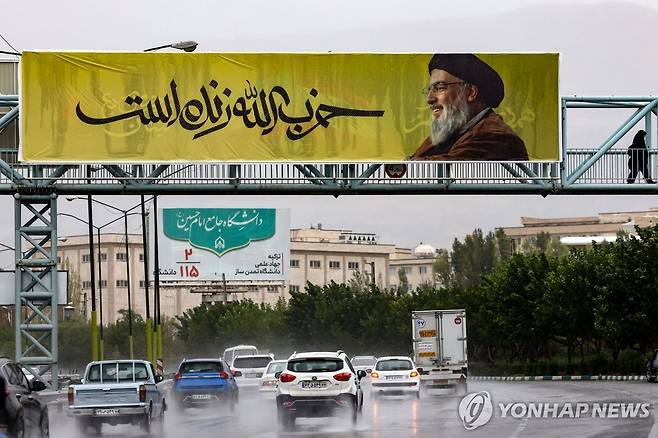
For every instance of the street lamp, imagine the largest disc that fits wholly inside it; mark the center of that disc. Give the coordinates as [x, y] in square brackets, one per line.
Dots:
[125, 234]
[187, 46]
[96, 342]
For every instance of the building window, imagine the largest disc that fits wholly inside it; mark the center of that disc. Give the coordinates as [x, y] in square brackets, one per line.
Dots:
[121, 256]
[314, 264]
[85, 258]
[294, 263]
[352, 265]
[59, 260]
[103, 257]
[407, 270]
[334, 265]
[102, 283]
[272, 288]
[422, 269]
[294, 288]
[86, 284]
[122, 283]
[142, 284]
[252, 288]
[141, 257]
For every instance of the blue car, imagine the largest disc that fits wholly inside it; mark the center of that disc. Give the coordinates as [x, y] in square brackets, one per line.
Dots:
[203, 382]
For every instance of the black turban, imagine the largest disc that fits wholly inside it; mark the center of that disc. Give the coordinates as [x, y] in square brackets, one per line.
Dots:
[473, 70]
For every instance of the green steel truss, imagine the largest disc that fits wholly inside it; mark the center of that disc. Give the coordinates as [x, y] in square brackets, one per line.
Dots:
[36, 284]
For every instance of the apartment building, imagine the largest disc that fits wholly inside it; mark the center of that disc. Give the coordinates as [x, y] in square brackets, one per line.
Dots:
[581, 231]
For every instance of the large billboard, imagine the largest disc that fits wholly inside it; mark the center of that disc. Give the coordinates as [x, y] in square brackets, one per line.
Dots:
[285, 107]
[199, 244]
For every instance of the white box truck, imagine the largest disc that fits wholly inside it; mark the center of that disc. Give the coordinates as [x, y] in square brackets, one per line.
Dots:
[439, 346]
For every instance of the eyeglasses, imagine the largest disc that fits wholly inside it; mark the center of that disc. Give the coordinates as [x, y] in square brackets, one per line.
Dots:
[439, 87]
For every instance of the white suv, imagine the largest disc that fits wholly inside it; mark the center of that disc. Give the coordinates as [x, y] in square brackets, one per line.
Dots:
[317, 384]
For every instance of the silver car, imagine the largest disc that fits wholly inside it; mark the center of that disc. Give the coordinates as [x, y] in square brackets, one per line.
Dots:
[248, 370]
[269, 380]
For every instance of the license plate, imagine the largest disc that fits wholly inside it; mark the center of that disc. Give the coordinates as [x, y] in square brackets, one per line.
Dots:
[251, 375]
[201, 397]
[314, 385]
[441, 382]
[393, 377]
[106, 412]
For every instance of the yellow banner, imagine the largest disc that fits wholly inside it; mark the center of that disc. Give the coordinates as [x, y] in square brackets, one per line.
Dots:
[217, 107]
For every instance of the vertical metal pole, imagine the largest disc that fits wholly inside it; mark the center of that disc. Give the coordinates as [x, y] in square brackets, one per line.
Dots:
[94, 327]
[18, 274]
[145, 248]
[101, 342]
[156, 258]
[563, 162]
[54, 303]
[647, 128]
[130, 308]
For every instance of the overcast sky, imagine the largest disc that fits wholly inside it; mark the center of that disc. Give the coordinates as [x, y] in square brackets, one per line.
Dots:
[593, 62]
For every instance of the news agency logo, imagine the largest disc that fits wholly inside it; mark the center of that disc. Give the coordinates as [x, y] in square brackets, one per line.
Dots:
[475, 410]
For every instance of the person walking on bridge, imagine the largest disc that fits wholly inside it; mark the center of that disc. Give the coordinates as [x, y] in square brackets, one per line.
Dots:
[638, 159]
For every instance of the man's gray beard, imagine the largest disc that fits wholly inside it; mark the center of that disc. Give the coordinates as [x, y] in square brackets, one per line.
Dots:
[453, 118]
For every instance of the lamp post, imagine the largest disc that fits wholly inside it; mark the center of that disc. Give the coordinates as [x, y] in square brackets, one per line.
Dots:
[149, 323]
[187, 46]
[98, 230]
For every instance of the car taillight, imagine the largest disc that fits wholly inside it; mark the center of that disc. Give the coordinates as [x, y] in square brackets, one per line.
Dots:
[413, 374]
[178, 376]
[223, 375]
[374, 375]
[286, 378]
[237, 374]
[70, 395]
[142, 393]
[343, 377]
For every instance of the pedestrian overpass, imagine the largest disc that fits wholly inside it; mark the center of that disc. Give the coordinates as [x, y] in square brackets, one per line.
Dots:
[35, 188]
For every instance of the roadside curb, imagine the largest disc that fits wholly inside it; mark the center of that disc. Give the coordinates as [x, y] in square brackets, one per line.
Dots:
[552, 378]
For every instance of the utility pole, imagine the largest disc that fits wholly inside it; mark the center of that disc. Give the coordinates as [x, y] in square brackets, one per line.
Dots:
[158, 311]
[94, 327]
[149, 321]
[130, 307]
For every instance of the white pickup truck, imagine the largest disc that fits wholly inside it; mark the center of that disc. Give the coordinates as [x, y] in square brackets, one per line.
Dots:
[118, 392]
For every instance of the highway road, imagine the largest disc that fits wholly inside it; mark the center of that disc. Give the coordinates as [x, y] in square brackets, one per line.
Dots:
[431, 415]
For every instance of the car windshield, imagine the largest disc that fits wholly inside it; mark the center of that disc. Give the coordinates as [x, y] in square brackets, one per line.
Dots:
[274, 368]
[251, 362]
[315, 365]
[201, 367]
[394, 365]
[363, 361]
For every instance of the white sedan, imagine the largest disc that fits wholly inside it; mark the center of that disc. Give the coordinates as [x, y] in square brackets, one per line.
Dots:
[268, 381]
[395, 375]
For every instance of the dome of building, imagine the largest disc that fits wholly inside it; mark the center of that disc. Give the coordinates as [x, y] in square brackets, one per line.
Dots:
[424, 250]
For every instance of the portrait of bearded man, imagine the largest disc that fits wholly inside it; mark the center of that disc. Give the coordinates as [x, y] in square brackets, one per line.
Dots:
[462, 94]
